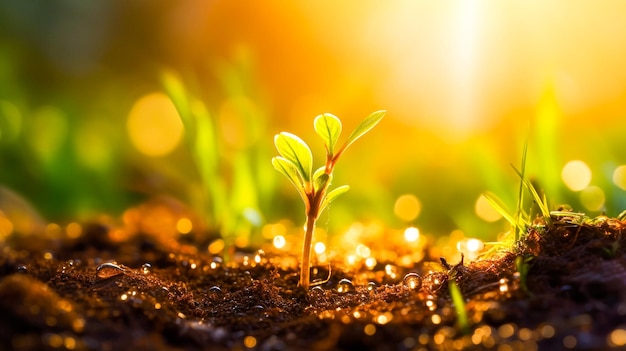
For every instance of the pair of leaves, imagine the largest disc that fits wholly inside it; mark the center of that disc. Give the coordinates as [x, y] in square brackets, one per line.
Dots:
[328, 127]
[296, 160]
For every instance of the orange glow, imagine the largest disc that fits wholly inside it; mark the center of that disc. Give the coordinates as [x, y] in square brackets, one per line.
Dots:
[407, 207]
[154, 125]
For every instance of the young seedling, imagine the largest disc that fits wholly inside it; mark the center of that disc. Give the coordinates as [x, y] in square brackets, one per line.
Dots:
[296, 163]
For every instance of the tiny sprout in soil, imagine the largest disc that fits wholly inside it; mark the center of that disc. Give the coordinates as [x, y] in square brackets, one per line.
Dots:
[296, 163]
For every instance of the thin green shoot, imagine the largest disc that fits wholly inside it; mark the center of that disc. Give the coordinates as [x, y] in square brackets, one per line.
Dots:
[522, 264]
[296, 163]
[540, 200]
[520, 195]
[459, 306]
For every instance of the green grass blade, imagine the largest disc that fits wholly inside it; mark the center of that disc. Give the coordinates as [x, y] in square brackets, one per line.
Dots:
[365, 126]
[328, 127]
[497, 204]
[297, 151]
[519, 215]
[541, 201]
[459, 306]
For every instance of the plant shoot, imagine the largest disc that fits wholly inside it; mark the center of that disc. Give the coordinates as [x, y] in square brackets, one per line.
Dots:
[296, 163]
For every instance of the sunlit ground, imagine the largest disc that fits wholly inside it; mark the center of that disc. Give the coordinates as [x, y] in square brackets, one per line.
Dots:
[117, 103]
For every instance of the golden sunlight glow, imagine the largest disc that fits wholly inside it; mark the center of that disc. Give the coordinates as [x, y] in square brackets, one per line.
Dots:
[184, 225]
[73, 230]
[363, 251]
[470, 247]
[411, 234]
[154, 126]
[216, 246]
[617, 337]
[619, 177]
[592, 198]
[6, 227]
[279, 241]
[576, 175]
[319, 247]
[407, 207]
[485, 211]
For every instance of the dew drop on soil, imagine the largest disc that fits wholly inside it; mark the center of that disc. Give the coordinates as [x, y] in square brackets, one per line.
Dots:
[22, 269]
[345, 286]
[215, 290]
[145, 268]
[108, 270]
[371, 286]
[412, 281]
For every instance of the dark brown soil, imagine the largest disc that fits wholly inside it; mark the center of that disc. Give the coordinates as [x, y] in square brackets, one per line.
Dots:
[94, 293]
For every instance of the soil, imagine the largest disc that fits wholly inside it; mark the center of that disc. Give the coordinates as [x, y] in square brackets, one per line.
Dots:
[562, 287]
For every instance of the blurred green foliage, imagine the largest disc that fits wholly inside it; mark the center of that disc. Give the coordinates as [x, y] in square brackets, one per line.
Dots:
[71, 71]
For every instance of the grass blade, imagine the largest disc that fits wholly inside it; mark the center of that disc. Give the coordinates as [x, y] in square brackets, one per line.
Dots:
[497, 204]
[459, 306]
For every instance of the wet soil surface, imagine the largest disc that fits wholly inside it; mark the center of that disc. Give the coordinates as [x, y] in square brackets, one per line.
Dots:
[563, 287]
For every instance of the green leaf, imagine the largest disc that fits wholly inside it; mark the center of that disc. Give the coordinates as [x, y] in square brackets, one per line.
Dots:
[328, 127]
[365, 126]
[320, 178]
[297, 151]
[289, 170]
[332, 195]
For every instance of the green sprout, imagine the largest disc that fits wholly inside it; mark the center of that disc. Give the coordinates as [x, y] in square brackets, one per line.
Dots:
[296, 163]
[459, 306]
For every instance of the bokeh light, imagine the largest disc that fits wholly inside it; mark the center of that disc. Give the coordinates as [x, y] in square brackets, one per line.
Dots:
[86, 126]
[592, 198]
[407, 207]
[411, 234]
[576, 175]
[154, 126]
[619, 177]
[485, 210]
[279, 241]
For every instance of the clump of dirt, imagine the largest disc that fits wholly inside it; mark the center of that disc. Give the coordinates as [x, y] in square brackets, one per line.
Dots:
[562, 287]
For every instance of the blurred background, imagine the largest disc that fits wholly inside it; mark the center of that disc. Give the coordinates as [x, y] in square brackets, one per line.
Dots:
[105, 105]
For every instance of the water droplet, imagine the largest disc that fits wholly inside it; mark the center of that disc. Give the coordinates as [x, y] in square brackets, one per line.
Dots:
[145, 268]
[22, 269]
[215, 290]
[108, 270]
[371, 286]
[345, 286]
[412, 281]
